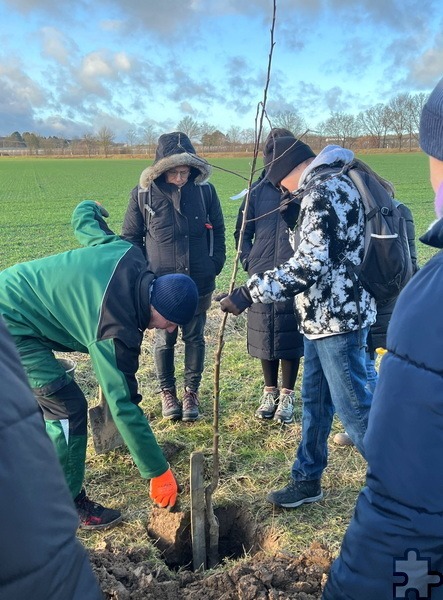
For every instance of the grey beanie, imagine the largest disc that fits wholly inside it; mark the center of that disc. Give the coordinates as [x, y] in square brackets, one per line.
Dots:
[282, 155]
[431, 123]
[175, 297]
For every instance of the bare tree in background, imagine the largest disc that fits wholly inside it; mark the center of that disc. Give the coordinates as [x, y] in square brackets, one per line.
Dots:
[290, 119]
[342, 128]
[150, 135]
[131, 139]
[89, 141]
[248, 138]
[189, 126]
[234, 135]
[32, 141]
[399, 115]
[374, 123]
[417, 101]
[105, 138]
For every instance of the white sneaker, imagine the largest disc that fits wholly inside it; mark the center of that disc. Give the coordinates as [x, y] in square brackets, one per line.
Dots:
[285, 408]
[268, 404]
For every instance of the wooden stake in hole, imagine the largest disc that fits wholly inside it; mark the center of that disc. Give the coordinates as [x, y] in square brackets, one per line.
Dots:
[198, 512]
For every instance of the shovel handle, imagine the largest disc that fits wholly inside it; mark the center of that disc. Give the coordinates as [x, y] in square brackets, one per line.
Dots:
[103, 403]
[101, 397]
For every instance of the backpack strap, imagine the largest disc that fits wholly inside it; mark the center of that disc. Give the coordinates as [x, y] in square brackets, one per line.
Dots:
[208, 224]
[145, 205]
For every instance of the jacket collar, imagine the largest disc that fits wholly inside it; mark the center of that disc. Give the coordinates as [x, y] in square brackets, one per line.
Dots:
[434, 235]
[143, 299]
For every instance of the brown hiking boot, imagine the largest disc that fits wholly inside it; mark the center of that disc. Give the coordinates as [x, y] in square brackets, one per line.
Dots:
[171, 407]
[190, 405]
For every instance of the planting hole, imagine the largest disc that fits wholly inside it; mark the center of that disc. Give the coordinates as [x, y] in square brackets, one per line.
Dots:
[239, 535]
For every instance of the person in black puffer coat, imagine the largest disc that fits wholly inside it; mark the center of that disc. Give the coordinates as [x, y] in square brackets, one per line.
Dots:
[393, 545]
[175, 216]
[40, 556]
[273, 335]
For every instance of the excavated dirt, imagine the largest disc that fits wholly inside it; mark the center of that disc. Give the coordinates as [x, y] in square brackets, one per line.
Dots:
[131, 575]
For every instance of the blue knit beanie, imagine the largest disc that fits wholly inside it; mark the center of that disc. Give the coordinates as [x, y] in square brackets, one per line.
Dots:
[431, 123]
[175, 297]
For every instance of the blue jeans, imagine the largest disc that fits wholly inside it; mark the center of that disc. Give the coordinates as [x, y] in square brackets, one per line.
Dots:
[371, 372]
[194, 340]
[334, 380]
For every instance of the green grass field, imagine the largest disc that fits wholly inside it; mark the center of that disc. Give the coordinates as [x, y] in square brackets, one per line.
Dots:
[37, 197]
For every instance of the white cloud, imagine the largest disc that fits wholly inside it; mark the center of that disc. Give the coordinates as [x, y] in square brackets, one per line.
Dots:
[56, 45]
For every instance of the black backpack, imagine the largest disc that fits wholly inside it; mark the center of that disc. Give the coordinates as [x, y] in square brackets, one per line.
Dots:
[387, 265]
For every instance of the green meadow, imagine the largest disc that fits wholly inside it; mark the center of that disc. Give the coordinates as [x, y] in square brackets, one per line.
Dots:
[37, 197]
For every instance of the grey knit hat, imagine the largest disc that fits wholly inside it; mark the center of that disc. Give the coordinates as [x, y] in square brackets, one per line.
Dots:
[431, 123]
[282, 155]
[175, 297]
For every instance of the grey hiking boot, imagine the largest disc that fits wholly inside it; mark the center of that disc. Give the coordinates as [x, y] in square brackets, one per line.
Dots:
[171, 407]
[268, 404]
[190, 405]
[285, 408]
[296, 493]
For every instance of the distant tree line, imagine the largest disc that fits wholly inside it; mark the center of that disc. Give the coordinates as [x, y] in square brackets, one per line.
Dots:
[393, 125]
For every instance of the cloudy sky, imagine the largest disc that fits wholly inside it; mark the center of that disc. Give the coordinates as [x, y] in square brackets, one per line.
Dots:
[69, 68]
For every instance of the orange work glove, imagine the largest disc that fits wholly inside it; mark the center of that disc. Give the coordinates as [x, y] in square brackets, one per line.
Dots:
[163, 489]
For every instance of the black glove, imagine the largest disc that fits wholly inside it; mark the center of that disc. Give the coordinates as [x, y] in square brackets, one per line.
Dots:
[237, 302]
[103, 210]
[289, 209]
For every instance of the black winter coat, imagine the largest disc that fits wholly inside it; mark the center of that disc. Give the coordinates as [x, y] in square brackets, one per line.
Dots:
[399, 513]
[272, 328]
[182, 233]
[40, 556]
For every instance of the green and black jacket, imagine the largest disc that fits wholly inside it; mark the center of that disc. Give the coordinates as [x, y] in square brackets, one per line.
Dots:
[95, 300]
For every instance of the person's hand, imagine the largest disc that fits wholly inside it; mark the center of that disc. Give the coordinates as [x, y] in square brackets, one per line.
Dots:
[289, 209]
[103, 210]
[237, 302]
[163, 489]
[220, 296]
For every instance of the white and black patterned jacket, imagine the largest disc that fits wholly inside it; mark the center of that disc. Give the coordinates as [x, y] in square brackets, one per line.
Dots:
[331, 223]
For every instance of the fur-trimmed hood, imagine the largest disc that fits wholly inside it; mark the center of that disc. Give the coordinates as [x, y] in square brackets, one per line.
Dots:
[173, 150]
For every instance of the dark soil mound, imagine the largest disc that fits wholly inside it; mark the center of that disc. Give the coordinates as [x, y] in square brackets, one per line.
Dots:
[131, 575]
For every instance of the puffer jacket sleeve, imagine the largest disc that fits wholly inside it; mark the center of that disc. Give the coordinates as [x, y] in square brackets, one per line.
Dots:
[410, 228]
[40, 556]
[249, 231]
[115, 366]
[218, 224]
[90, 228]
[134, 226]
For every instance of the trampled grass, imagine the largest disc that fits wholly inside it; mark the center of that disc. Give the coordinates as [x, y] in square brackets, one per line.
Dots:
[37, 197]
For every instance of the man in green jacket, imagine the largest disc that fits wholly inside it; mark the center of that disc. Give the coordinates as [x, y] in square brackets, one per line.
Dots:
[97, 299]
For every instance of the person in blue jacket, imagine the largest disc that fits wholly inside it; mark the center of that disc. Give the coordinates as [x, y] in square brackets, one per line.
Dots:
[40, 556]
[393, 547]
